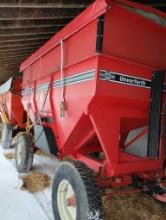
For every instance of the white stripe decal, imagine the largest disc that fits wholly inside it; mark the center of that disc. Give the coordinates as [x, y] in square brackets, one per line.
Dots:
[76, 78]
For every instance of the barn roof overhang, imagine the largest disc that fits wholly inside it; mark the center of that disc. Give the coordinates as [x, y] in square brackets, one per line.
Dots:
[25, 25]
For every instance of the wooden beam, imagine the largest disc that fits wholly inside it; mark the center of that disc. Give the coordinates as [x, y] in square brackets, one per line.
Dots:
[8, 64]
[25, 39]
[44, 6]
[19, 45]
[19, 49]
[35, 18]
[31, 26]
[27, 34]
[14, 56]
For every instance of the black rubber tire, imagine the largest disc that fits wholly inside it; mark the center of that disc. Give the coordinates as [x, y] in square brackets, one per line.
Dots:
[26, 142]
[6, 135]
[1, 125]
[87, 193]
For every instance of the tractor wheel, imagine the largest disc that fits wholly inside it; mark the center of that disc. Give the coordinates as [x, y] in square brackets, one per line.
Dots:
[75, 194]
[6, 135]
[24, 152]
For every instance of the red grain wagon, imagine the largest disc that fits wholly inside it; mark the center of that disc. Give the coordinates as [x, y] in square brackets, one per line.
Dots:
[96, 92]
[11, 110]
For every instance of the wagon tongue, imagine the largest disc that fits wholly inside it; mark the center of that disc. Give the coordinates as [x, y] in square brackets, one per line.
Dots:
[157, 191]
[154, 189]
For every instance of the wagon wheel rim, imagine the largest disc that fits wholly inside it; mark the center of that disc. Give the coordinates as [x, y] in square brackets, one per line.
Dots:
[19, 153]
[66, 201]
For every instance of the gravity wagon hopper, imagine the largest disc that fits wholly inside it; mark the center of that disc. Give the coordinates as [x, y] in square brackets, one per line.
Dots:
[96, 92]
[11, 110]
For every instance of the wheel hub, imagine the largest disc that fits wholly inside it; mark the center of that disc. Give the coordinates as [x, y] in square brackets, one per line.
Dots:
[66, 201]
[19, 153]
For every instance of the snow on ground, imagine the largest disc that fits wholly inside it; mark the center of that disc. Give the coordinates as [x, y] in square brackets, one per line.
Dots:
[16, 204]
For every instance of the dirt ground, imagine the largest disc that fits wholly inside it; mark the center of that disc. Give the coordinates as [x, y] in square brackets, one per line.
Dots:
[40, 152]
[135, 206]
[35, 181]
[9, 156]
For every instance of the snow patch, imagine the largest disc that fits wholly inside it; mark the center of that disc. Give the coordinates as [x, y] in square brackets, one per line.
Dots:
[16, 204]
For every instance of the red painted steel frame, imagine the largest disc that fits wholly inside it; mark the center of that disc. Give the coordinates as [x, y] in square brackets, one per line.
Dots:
[100, 112]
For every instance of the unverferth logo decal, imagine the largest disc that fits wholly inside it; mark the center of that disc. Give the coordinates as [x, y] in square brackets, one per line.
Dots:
[124, 79]
[132, 81]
